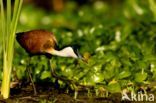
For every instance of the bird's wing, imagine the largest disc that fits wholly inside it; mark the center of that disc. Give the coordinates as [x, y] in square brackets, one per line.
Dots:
[55, 42]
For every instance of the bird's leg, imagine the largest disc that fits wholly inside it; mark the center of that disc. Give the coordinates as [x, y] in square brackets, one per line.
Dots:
[30, 76]
[52, 69]
[53, 73]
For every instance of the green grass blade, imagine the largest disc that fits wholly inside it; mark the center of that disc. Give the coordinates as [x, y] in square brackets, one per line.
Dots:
[8, 20]
[2, 23]
[9, 28]
[14, 22]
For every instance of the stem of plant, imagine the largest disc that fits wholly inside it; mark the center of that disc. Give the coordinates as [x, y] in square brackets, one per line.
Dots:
[8, 29]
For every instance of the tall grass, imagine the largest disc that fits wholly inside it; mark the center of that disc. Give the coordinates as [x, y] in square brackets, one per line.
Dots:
[9, 20]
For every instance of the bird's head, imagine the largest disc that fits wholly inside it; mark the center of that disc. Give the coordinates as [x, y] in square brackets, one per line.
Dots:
[74, 52]
[69, 51]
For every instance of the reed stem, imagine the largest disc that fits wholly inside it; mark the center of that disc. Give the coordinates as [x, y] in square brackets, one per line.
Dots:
[8, 29]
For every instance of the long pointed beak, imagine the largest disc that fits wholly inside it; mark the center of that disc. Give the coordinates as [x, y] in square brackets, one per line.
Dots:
[82, 58]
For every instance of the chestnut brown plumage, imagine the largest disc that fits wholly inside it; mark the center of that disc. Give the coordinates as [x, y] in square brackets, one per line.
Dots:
[36, 42]
[42, 42]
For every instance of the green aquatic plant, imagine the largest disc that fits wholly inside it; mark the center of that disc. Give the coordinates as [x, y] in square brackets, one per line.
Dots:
[9, 22]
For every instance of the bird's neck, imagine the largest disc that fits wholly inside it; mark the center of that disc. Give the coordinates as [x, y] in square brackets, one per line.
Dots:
[63, 52]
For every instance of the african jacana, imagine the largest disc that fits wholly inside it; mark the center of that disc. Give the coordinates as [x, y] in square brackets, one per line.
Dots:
[42, 42]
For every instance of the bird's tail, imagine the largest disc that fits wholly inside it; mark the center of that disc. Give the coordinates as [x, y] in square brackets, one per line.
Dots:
[18, 35]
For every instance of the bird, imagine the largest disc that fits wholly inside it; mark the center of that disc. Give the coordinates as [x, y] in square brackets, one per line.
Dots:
[43, 42]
